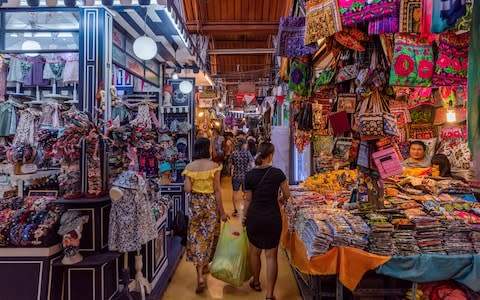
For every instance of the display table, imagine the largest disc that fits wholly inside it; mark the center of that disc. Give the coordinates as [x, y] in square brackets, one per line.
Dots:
[27, 272]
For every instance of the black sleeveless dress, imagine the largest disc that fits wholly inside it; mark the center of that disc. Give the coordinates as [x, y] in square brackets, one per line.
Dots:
[264, 221]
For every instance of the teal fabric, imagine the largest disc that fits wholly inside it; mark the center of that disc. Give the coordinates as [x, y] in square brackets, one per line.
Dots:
[439, 25]
[426, 268]
[473, 82]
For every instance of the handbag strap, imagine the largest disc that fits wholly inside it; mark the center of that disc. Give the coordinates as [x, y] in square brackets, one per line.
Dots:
[263, 178]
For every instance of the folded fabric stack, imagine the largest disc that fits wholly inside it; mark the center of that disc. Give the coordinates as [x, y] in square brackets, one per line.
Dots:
[317, 237]
[345, 235]
[429, 235]
[381, 242]
[457, 240]
[475, 238]
[405, 243]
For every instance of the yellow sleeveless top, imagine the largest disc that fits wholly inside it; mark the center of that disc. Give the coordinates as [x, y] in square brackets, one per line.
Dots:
[202, 181]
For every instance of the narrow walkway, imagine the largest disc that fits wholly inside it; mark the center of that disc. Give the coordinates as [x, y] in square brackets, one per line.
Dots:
[182, 286]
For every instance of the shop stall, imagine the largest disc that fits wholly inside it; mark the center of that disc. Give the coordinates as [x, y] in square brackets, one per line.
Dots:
[81, 107]
[366, 92]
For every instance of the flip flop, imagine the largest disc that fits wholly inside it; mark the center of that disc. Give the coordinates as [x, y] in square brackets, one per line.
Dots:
[255, 286]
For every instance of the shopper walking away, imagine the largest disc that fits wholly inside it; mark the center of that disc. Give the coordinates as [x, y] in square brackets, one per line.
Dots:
[227, 146]
[252, 146]
[263, 220]
[202, 181]
[241, 161]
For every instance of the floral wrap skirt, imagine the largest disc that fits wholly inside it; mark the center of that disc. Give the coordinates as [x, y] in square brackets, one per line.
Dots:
[203, 229]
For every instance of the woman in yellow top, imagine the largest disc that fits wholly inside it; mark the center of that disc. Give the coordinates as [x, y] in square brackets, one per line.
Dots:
[202, 181]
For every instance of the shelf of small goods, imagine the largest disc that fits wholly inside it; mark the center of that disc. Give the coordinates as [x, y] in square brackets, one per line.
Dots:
[422, 229]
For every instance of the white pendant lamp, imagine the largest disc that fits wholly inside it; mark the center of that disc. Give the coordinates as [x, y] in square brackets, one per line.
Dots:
[145, 47]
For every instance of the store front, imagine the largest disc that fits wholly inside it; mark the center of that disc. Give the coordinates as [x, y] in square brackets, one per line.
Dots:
[91, 106]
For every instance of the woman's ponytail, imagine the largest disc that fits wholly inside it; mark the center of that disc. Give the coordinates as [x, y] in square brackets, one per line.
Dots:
[264, 151]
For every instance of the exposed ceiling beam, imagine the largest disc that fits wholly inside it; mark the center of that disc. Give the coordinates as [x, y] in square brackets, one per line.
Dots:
[212, 27]
[242, 51]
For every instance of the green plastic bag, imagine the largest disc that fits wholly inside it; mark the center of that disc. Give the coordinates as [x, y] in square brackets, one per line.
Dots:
[231, 262]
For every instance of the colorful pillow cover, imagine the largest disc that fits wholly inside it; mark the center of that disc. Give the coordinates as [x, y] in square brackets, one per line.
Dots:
[412, 61]
[452, 63]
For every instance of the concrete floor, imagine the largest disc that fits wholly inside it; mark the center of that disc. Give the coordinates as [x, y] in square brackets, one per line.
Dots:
[182, 286]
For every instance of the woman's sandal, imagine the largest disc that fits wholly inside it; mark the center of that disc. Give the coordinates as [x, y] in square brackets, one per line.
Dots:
[200, 288]
[255, 286]
[271, 298]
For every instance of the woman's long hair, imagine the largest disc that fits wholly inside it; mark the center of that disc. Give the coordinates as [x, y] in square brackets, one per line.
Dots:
[201, 149]
[264, 151]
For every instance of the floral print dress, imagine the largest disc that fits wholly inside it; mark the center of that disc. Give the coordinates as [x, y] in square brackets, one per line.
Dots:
[204, 217]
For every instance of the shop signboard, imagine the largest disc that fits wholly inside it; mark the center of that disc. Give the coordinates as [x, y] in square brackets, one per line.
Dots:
[250, 109]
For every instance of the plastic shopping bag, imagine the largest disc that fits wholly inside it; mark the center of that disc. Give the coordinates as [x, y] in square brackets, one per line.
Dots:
[231, 263]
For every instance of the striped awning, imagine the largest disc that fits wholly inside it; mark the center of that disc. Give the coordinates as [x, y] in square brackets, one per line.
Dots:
[164, 24]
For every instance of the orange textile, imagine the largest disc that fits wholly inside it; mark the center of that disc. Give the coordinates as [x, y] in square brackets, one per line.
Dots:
[350, 263]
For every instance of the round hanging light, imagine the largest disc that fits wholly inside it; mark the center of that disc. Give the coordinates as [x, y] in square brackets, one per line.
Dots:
[30, 45]
[145, 48]
[186, 87]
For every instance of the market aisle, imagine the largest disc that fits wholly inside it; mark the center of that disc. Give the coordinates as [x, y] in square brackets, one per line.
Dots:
[182, 286]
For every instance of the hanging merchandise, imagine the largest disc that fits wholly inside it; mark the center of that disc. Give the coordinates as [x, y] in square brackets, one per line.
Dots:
[356, 12]
[323, 20]
[291, 38]
[383, 25]
[410, 16]
[339, 122]
[299, 78]
[375, 117]
[3, 77]
[131, 220]
[34, 76]
[452, 62]
[413, 61]
[351, 38]
[419, 96]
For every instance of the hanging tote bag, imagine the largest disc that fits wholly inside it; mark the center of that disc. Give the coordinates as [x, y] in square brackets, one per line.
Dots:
[323, 20]
[452, 62]
[412, 61]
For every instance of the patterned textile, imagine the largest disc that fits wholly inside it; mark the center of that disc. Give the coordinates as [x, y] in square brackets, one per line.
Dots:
[240, 160]
[358, 11]
[458, 153]
[203, 226]
[299, 78]
[452, 63]
[383, 25]
[131, 218]
[323, 20]
[292, 37]
[452, 10]
[412, 61]
[410, 16]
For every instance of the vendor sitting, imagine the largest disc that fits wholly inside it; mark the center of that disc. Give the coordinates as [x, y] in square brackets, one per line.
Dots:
[417, 156]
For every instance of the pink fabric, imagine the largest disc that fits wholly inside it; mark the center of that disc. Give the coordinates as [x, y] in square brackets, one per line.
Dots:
[426, 22]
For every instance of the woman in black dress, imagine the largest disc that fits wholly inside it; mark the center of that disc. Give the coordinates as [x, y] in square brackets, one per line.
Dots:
[263, 219]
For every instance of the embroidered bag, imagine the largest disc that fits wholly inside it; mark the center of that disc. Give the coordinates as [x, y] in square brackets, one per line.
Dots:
[452, 62]
[298, 78]
[410, 16]
[347, 102]
[390, 126]
[359, 11]
[371, 114]
[383, 25]
[323, 20]
[412, 62]
[291, 37]
[347, 73]
[420, 96]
